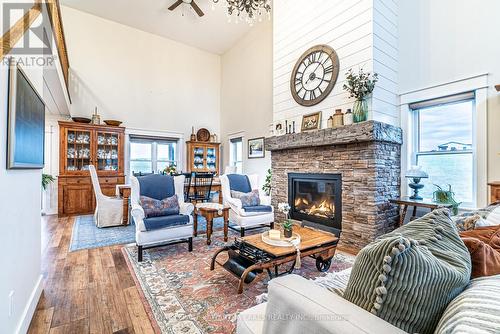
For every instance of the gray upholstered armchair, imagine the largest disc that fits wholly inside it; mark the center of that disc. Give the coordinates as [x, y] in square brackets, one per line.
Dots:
[161, 230]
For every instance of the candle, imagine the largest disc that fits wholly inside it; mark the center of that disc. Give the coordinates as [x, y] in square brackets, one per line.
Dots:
[274, 234]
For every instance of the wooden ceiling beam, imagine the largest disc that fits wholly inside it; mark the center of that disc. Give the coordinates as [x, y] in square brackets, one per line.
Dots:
[16, 32]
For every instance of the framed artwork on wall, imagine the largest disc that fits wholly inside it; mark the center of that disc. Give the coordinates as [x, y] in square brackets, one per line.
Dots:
[311, 121]
[256, 148]
[25, 123]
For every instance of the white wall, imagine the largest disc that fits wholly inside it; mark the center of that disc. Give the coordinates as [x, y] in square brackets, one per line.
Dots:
[247, 94]
[20, 201]
[448, 40]
[20, 204]
[363, 33]
[147, 81]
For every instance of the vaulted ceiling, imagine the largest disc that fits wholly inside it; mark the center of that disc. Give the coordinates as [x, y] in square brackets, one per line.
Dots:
[212, 32]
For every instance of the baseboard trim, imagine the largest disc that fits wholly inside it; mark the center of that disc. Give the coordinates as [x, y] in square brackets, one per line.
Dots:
[30, 308]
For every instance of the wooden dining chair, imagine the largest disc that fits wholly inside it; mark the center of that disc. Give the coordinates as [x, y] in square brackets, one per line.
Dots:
[201, 184]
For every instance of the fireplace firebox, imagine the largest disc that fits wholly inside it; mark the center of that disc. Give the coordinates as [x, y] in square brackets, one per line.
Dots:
[316, 199]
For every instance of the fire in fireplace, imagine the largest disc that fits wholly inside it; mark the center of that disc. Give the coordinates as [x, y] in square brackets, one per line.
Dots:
[316, 198]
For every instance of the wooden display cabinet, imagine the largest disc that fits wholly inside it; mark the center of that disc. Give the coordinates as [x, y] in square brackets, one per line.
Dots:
[81, 145]
[203, 157]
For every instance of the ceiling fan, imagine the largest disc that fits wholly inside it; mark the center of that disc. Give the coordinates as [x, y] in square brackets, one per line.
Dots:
[193, 4]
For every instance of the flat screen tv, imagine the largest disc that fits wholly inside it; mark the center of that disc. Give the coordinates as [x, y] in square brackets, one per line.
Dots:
[26, 123]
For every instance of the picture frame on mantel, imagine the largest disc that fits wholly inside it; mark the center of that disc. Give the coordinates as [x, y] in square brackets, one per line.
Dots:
[311, 122]
[256, 148]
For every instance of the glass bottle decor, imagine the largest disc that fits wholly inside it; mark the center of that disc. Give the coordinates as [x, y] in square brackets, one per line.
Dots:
[329, 123]
[348, 119]
[338, 118]
[360, 113]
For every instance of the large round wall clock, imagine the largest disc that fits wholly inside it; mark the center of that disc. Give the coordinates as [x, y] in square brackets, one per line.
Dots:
[314, 75]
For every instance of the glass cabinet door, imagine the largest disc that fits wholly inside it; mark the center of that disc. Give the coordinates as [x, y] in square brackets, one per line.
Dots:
[78, 150]
[211, 159]
[107, 151]
[199, 158]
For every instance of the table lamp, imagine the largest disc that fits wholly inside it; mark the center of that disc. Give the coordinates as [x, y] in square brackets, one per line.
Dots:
[415, 173]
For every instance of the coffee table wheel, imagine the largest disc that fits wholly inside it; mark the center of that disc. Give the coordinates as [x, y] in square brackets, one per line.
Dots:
[323, 265]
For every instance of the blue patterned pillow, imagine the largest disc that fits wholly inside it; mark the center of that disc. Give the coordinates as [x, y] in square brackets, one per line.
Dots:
[247, 199]
[156, 208]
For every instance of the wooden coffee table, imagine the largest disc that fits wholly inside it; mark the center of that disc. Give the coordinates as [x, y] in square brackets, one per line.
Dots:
[209, 212]
[250, 256]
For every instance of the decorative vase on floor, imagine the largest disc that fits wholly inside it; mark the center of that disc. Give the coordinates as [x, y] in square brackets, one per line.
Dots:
[360, 113]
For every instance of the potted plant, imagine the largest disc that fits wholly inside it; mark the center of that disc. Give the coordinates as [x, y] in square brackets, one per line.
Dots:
[360, 85]
[46, 180]
[267, 184]
[287, 224]
[171, 169]
[444, 196]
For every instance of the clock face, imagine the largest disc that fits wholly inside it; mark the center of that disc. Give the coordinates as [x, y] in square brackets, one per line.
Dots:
[314, 75]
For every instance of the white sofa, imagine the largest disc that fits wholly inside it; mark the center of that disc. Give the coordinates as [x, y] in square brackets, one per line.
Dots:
[237, 215]
[296, 305]
[169, 235]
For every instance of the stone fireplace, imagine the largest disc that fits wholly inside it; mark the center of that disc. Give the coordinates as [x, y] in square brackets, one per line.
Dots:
[366, 157]
[316, 198]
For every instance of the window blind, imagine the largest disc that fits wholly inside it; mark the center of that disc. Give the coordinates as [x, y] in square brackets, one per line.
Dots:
[442, 100]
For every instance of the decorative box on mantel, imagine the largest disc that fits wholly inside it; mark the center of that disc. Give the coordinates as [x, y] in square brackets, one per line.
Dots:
[368, 157]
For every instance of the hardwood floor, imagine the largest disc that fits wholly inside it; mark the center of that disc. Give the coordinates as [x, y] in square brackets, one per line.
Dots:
[87, 291]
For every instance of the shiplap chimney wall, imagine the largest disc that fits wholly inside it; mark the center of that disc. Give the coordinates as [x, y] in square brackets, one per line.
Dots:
[364, 34]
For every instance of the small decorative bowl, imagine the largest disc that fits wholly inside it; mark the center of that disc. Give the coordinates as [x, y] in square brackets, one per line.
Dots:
[112, 122]
[81, 119]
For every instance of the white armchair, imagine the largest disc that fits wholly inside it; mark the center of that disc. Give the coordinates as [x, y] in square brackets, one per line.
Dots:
[109, 210]
[165, 234]
[245, 220]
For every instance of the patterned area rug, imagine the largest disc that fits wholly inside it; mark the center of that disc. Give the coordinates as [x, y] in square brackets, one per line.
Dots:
[86, 235]
[184, 296]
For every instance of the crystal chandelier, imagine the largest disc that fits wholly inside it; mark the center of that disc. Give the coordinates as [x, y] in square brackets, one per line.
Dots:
[248, 10]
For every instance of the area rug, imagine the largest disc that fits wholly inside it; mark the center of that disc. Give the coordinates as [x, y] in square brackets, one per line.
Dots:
[182, 295]
[86, 235]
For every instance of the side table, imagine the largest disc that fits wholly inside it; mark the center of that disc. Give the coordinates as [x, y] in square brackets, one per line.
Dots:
[406, 201]
[210, 211]
[124, 191]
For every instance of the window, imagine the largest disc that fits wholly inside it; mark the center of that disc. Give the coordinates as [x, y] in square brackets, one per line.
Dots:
[236, 154]
[152, 154]
[444, 145]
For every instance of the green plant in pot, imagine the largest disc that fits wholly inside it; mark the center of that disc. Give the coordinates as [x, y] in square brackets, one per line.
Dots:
[46, 180]
[287, 224]
[359, 86]
[267, 184]
[171, 169]
[446, 196]
[287, 228]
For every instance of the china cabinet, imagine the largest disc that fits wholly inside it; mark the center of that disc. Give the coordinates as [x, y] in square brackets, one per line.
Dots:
[203, 156]
[81, 145]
